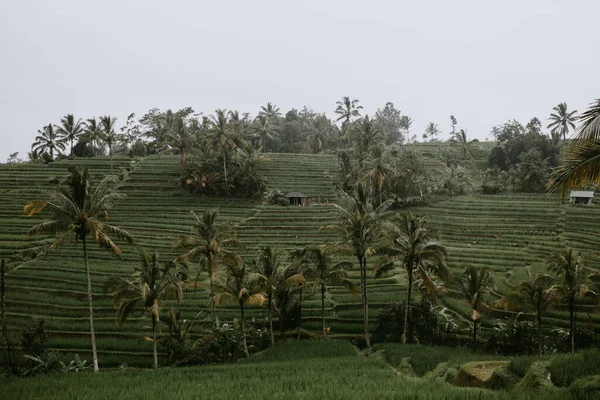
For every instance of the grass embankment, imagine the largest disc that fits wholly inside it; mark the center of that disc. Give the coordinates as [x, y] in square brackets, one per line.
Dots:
[306, 370]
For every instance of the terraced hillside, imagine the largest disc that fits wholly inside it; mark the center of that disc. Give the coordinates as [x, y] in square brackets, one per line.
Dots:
[509, 233]
[512, 234]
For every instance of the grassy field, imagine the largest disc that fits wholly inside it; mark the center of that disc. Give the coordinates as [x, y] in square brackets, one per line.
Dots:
[509, 233]
[303, 370]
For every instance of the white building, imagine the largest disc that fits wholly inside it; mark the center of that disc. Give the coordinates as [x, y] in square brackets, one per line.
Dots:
[581, 197]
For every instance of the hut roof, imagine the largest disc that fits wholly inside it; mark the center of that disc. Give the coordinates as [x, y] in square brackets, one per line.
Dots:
[295, 194]
[582, 193]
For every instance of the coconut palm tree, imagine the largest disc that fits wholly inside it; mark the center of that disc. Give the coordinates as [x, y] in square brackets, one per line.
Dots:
[562, 120]
[431, 132]
[249, 157]
[208, 243]
[361, 228]
[270, 111]
[347, 109]
[581, 161]
[236, 286]
[459, 138]
[93, 134]
[316, 135]
[420, 253]
[79, 212]
[316, 264]
[475, 284]
[69, 129]
[181, 134]
[287, 282]
[263, 129]
[572, 276]
[264, 271]
[219, 137]
[536, 296]
[378, 171]
[48, 140]
[368, 136]
[148, 287]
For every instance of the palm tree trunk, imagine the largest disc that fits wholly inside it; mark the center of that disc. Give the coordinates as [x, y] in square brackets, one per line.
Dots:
[363, 268]
[539, 322]
[298, 325]
[211, 261]
[182, 159]
[71, 147]
[282, 325]
[271, 319]
[91, 310]
[323, 309]
[572, 325]
[474, 333]
[244, 331]
[52, 153]
[3, 315]
[405, 338]
[225, 169]
[154, 342]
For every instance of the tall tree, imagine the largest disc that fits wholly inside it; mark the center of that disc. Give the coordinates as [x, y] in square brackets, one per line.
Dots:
[378, 171]
[420, 253]
[265, 271]
[149, 286]
[270, 111]
[432, 131]
[208, 243]
[360, 228]
[459, 138]
[474, 285]
[108, 124]
[70, 129]
[48, 140]
[562, 120]
[236, 286]
[181, 135]
[79, 212]
[287, 284]
[94, 135]
[317, 265]
[572, 276]
[368, 137]
[219, 137]
[347, 109]
[581, 162]
[536, 296]
[392, 123]
[264, 131]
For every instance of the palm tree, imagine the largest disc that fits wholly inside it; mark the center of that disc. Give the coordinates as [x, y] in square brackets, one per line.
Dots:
[379, 172]
[93, 134]
[581, 162]
[220, 138]
[474, 284]
[235, 285]
[360, 228]
[562, 120]
[420, 253]
[208, 242]
[149, 286]
[535, 295]
[48, 139]
[69, 129]
[431, 131]
[368, 136]
[347, 109]
[181, 135]
[264, 131]
[107, 124]
[287, 281]
[270, 111]
[264, 272]
[459, 138]
[316, 134]
[250, 157]
[571, 276]
[316, 265]
[78, 212]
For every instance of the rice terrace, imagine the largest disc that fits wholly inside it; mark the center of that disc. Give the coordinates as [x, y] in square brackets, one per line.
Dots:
[170, 233]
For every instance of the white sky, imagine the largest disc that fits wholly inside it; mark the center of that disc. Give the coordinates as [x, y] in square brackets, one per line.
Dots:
[483, 61]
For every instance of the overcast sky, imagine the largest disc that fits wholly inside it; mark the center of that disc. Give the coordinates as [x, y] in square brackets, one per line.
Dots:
[483, 61]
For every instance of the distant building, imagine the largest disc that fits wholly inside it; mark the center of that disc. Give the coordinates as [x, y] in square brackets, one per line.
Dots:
[581, 196]
[297, 198]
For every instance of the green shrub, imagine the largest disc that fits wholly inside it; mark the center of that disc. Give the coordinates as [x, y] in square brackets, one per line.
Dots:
[566, 368]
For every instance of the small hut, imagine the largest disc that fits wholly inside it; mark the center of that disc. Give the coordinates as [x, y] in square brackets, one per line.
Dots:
[581, 196]
[297, 198]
